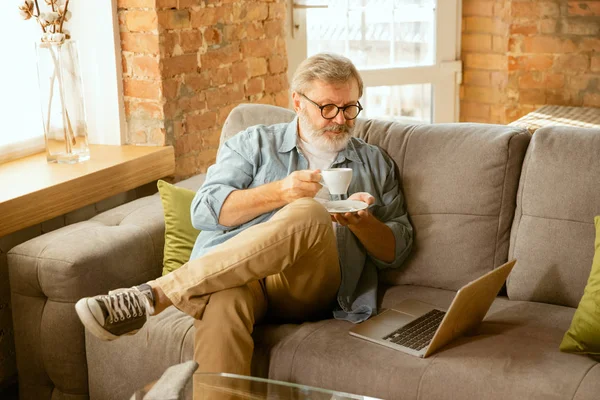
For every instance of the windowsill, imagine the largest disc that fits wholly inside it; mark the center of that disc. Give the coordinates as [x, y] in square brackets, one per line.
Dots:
[33, 191]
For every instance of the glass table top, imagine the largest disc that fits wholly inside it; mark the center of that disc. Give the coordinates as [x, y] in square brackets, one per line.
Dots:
[238, 387]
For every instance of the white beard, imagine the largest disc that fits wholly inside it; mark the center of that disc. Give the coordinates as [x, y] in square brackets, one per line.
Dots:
[318, 137]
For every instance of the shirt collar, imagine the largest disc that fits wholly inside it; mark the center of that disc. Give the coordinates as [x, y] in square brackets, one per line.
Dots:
[291, 134]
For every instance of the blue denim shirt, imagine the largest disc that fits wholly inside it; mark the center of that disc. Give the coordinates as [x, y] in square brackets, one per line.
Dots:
[263, 154]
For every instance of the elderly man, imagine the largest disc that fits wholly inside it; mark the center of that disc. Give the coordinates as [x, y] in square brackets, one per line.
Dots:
[268, 246]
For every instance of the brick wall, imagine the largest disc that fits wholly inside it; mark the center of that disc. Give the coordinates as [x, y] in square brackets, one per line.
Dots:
[187, 63]
[521, 54]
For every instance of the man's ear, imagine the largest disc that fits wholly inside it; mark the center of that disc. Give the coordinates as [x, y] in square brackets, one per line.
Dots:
[296, 101]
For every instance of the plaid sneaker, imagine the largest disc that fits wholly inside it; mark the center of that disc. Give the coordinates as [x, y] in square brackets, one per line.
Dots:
[121, 312]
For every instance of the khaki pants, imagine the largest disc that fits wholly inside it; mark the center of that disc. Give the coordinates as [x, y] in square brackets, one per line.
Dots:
[286, 267]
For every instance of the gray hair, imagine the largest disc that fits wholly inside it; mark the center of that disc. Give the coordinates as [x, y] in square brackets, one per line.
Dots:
[326, 67]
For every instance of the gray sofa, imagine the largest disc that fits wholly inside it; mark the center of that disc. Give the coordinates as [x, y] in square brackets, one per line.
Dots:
[477, 195]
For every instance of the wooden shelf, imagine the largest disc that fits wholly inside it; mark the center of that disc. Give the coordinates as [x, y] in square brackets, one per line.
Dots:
[33, 191]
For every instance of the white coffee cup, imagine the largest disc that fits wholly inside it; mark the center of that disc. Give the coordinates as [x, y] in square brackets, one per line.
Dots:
[337, 180]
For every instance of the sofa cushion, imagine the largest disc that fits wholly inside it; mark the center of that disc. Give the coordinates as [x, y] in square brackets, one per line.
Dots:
[460, 182]
[553, 232]
[512, 355]
[180, 235]
[582, 337]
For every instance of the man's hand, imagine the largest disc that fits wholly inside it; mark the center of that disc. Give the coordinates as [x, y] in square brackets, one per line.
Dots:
[300, 184]
[349, 219]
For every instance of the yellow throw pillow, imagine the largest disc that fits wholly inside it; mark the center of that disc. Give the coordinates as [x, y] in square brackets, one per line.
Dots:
[583, 336]
[180, 235]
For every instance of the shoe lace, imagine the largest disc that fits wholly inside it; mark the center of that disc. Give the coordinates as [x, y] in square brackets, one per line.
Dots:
[126, 304]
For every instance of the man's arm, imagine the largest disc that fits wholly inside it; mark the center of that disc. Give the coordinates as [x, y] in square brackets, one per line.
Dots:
[244, 205]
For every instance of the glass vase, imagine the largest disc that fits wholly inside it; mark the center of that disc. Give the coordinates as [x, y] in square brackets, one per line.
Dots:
[61, 96]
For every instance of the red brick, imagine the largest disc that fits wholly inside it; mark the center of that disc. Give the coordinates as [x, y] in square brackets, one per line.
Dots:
[582, 82]
[189, 143]
[225, 95]
[277, 64]
[205, 159]
[548, 25]
[277, 10]
[180, 65]
[499, 79]
[234, 33]
[547, 44]
[595, 64]
[523, 28]
[146, 66]
[282, 99]
[477, 42]
[126, 64]
[485, 61]
[577, 63]
[591, 100]
[250, 11]
[536, 62]
[189, 3]
[590, 44]
[185, 166]
[143, 109]
[209, 16]
[539, 80]
[584, 8]
[499, 44]
[213, 36]
[220, 76]
[191, 41]
[174, 19]
[200, 122]
[197, 82]
[141, 89]
[222, 56]
[255, 86]
[139, 42]
[532, 96]
[195, 102]
[239, 72]
[211, 139]
[170, 88]
[481, 94]
[141, 21]
[274, 28]
[534, 10]
[257, 66]
[572, 26]
[255, 30]
[258, 48]
[478, 8]
[170, 44]
[223, 113]
[478, 24]
[476, 78]
[166, 3]
[135, 3]
[474, 110]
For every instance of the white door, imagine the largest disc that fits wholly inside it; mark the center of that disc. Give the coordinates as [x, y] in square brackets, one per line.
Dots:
[407, 52]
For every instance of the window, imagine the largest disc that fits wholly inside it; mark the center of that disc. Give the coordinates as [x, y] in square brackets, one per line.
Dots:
[94, 25]
[406, 51]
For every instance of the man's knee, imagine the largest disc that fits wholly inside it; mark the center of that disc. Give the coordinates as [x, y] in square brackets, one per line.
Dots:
[308, 209]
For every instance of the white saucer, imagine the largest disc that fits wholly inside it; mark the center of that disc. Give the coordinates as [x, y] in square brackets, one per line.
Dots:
[345, 206]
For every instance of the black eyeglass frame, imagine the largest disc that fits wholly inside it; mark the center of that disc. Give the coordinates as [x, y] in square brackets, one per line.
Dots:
[360, 108]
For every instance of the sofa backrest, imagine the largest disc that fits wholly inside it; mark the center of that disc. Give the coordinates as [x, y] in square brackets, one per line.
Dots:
[459, 180]
[553, 230]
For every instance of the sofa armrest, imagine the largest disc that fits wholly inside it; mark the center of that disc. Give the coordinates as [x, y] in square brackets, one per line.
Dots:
[119, 248]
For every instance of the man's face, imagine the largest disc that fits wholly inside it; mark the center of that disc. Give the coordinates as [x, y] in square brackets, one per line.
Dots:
[326, 134]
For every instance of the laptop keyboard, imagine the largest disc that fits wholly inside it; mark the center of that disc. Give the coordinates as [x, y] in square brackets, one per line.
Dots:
[418, 333]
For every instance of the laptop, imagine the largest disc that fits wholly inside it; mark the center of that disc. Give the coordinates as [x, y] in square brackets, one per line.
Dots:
[420, 329]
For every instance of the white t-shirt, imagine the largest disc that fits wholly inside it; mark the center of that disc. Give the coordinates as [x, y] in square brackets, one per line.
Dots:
[317, 159]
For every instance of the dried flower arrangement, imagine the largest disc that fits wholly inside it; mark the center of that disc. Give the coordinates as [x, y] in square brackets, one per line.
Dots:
[53, 37]
[51, 21]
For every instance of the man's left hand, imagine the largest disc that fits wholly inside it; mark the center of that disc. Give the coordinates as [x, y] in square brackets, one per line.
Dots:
[354, 218]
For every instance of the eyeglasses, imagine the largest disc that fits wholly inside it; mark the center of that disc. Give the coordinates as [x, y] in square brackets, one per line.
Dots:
[330, 111]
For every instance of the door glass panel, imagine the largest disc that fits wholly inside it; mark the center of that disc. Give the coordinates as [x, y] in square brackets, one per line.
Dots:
[408, 104]
[374, 33]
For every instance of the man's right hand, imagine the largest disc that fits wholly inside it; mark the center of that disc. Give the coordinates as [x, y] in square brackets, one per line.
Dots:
[300, 184]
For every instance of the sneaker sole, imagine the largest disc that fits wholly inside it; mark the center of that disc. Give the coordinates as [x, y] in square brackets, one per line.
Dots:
[88, 320]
